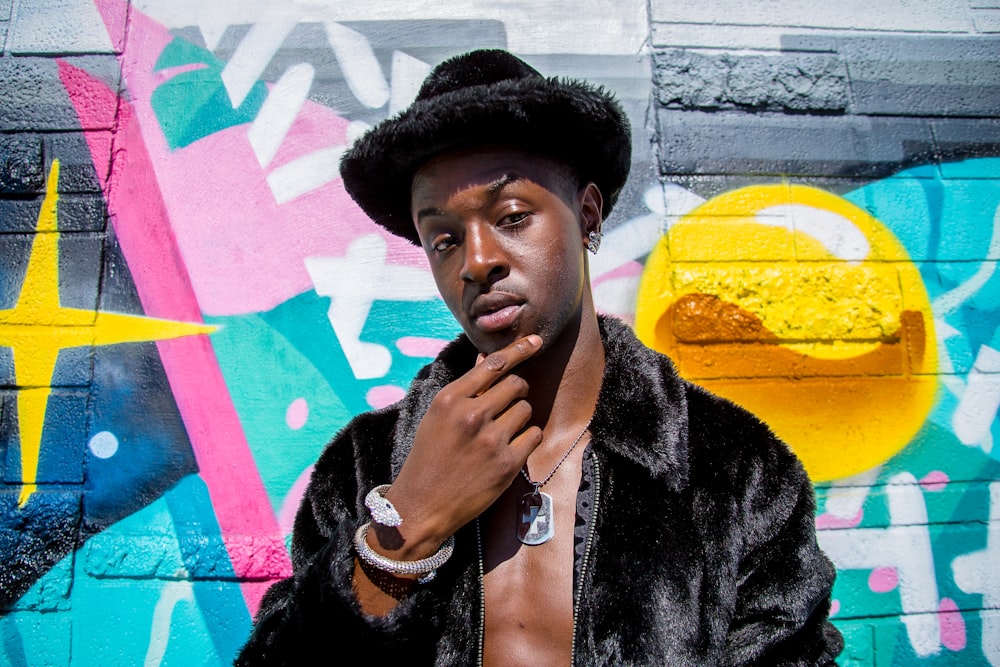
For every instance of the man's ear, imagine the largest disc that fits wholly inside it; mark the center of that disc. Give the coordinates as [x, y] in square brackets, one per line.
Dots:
[591, 207]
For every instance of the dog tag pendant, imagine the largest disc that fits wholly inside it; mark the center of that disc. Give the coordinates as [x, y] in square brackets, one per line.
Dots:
[534, 518]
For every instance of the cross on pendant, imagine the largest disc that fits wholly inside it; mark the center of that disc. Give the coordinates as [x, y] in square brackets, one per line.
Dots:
[534, 521]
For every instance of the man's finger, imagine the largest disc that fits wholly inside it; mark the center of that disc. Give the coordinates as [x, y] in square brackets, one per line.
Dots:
[499, 363]
[525, 443]
[515, 417]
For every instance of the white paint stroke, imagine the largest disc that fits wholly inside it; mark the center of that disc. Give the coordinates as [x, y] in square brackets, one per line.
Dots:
[631, 241]
[837, 234]
[595, 27]
[617, 296]
[977, 573]
[946, 367]
[306, 173]
[357, 61]
[627, 242]
[212, 33]
[674, 201]
[846, 496]
[278, 113]
[253, 54]
[407, 75]
[353, 282]
[171, 593]
[355, 129]
[904, 545]
[635, 238]
[980, 400]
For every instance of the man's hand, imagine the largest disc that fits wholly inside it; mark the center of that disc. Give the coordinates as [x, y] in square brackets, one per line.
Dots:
[467, 450]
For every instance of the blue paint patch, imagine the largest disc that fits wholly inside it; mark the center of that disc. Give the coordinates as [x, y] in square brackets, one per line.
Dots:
[131, 398]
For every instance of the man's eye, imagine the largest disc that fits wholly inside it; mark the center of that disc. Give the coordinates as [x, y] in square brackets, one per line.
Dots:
[443, 243]
[514, 218]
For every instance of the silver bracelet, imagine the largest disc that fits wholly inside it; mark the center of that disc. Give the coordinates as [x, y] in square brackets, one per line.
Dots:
[381, 509]
[425, 567]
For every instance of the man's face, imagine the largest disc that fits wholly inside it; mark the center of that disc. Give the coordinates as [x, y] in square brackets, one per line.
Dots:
[505, 233]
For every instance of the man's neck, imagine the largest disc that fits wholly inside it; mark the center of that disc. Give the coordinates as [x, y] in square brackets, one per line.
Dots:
[565, 380]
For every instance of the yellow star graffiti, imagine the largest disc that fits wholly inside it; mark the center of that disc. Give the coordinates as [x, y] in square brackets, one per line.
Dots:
[37, 328]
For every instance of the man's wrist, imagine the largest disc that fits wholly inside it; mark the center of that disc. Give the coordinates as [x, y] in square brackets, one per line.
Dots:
[424, 568]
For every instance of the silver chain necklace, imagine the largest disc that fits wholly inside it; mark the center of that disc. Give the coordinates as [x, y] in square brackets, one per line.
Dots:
[535, 522]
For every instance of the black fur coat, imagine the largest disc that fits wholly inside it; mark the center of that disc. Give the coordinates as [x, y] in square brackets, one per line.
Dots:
[704, 549]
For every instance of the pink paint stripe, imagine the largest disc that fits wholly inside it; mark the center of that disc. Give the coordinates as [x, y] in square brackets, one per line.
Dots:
[828, 521]
[248, 525]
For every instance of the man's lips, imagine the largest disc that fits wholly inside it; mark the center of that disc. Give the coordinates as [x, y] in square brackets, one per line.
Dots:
[493, 312]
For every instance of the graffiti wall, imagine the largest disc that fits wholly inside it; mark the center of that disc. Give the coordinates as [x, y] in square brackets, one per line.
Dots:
[828, 259]
[191, 305]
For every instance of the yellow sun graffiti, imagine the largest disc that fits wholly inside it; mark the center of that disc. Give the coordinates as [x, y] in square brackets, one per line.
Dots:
[37, 328]
[803, 308]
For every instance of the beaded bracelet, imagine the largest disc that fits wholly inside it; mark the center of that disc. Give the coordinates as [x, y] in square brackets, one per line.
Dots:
[426, 568]
[382, 510]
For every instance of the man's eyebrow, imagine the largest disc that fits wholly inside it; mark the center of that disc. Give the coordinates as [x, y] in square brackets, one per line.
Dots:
[503, 181]
[492, 188]
[430, 211]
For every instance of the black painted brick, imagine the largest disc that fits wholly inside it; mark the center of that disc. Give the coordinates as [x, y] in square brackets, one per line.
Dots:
[76, 213]
[33, 98]
[6, 380]
[77, 170]
[82, 213]
[21, 164]
[694, 142]
[34, 538]
[14, 252]
[963, 138]
[19, 215]
[916, 75]
[80, 256]
[795, 81]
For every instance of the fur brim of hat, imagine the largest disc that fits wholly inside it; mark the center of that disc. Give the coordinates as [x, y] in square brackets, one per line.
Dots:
[568, 120]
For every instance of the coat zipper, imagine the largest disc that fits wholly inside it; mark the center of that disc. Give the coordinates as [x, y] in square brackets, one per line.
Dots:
[586, 555]
[482, 594]
[580, 579]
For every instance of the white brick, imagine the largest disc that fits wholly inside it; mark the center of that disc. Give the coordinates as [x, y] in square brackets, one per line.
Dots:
[58, 26]
[723, 37]
[892, 15]
[987, 20]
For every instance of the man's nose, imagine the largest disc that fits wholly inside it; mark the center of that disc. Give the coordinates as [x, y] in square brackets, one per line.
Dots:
[485, 260]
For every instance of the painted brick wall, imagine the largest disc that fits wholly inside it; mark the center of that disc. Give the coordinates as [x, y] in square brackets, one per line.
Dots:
[836, 274]
[190, 305]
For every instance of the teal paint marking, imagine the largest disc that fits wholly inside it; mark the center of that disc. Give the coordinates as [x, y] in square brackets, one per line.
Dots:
[265, 373]
[945, 216]
[194, 103]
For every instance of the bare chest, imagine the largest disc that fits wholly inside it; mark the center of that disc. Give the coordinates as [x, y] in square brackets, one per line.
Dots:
[529, 589]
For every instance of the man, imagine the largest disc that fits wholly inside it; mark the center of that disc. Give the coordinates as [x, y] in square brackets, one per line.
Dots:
[549, 492]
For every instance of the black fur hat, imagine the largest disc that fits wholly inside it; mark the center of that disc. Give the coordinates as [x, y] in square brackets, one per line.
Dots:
[488, 96]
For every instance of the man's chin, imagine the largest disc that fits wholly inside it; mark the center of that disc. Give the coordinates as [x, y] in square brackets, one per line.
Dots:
[488, 343]
[490, 346]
